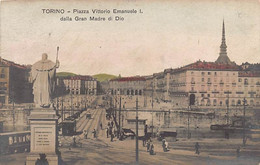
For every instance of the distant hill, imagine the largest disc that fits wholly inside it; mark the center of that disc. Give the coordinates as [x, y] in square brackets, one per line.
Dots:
[65, 74]
[104, 77]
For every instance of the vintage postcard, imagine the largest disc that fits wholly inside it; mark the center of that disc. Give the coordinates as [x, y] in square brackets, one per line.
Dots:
[129, 82]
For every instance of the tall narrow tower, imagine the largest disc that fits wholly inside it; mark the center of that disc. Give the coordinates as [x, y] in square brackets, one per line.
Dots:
[223, 58]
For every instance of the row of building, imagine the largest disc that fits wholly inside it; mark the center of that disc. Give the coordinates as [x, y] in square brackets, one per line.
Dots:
[78, 85]
[14, 83]
[201, 83]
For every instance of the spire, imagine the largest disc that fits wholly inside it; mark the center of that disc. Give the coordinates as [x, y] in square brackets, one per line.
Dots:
[223, 58]
[223, 46]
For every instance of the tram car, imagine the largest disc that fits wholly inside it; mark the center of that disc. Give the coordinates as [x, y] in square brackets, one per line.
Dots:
[14, 142]
[68, 127]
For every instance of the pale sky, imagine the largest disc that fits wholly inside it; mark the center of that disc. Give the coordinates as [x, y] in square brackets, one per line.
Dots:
[168, 34]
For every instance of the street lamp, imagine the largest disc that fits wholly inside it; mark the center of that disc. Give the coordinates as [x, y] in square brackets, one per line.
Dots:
[244, 121]
[136, 136]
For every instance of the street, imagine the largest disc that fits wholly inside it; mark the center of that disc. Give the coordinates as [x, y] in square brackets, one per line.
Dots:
[101, 150]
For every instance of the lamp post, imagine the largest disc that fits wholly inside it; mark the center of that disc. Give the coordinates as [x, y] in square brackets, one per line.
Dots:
[119, 118]
[71, 105]
[244, 122]
[13, 108]
[188, 122]
[152, 107]
[136, 135]
[227, 103]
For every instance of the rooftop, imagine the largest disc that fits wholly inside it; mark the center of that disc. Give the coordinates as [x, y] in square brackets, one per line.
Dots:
[249, 74]
[80, 77]
[11, 63]
[199, 65]
[136, 78]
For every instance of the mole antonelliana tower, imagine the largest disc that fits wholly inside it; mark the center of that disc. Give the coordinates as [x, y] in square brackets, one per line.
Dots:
[223, 58]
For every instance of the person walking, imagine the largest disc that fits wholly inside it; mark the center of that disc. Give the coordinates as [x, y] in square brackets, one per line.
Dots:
[94, 133]
[85, 134]
[112, 123]
[107, 131]
[238, 151]
[164, 145]
[112, 135]
[148, 145]
[101, 126]
[74, 141]
[152, 149]
[197, 147]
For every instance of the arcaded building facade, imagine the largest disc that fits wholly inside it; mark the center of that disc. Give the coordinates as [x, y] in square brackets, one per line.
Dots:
[127, 86]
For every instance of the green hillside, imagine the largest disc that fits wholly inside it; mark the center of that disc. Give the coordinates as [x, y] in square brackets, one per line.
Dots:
[104, 77]
[65, 74]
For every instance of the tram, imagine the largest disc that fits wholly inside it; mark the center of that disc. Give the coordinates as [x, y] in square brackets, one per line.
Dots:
[13, 142]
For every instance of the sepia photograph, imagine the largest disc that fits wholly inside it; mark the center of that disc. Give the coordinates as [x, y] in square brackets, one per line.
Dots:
[120, 82]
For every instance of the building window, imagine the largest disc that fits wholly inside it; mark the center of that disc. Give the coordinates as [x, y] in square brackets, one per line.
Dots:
[227, 102]
[209, 73]
[215, 73]
[208, 102]
[202, 95]
[233, 102]
[208, 95]
[202, 73]
[246, 82]
[251, 102]
[2, 75]
[239, 80]
[214, 102]
[202, 79]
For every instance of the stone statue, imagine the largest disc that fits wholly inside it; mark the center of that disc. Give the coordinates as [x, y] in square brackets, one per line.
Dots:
[43, 78]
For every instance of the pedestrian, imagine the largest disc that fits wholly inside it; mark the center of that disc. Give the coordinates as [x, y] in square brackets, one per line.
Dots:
[197, 147]
[74, 141]
[112, 123]
[238, 151]
[164, 145]
[115, 131]
[145, 129]
[107, 131]
[152, 149]
[112, 136]
[94, 133]
[144, 142]
[148, 145]
[85, 134]
[101, 126]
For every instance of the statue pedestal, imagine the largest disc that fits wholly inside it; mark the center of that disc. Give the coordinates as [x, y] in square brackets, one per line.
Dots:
[44, 139]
